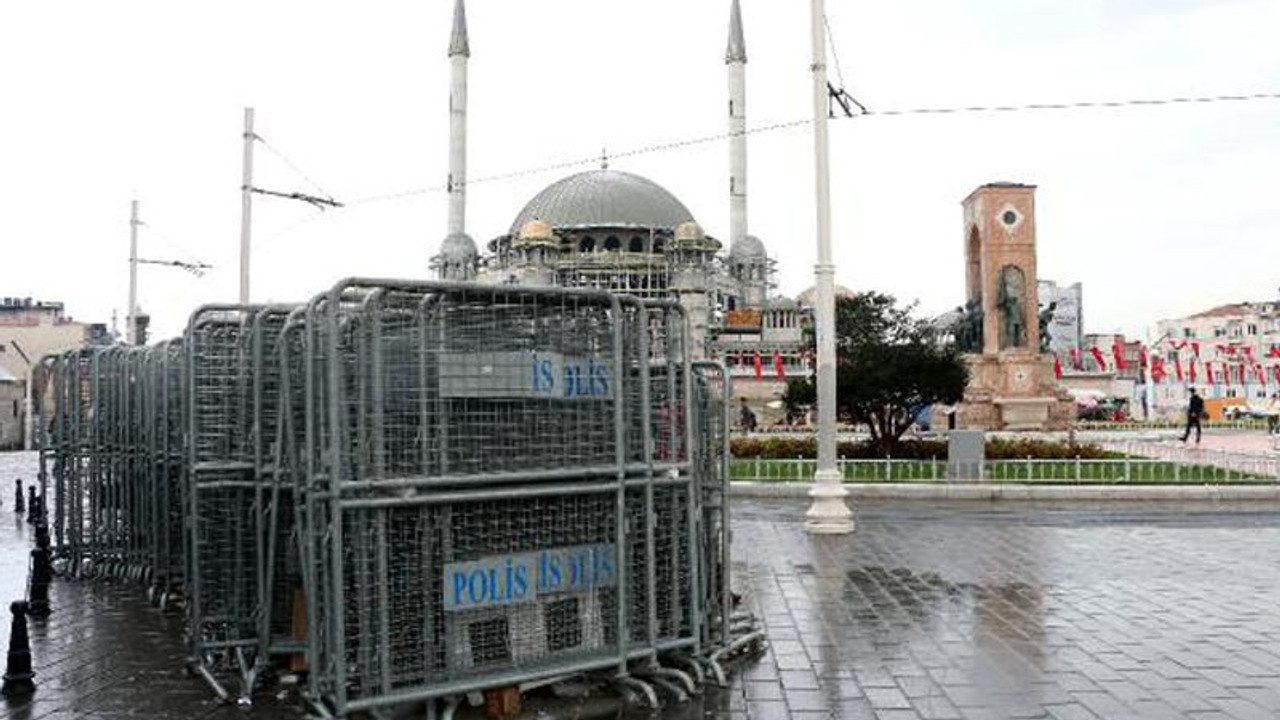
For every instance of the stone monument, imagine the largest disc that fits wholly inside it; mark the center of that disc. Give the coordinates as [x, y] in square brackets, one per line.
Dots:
[1011, 384]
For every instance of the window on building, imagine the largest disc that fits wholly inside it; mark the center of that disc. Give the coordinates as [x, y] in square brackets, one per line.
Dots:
[612, 243]
[1252, 329]
[1219, 332]
[636, 245]
[588, 244]
[1186, 333]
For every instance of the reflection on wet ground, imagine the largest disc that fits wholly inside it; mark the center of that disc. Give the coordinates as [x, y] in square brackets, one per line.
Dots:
[969, 611]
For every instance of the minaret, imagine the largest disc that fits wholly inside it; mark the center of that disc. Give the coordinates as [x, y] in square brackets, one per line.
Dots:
[459, 54]
[457, 259]
[735, 57]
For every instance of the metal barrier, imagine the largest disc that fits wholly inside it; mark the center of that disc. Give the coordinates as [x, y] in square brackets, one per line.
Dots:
[425, 488]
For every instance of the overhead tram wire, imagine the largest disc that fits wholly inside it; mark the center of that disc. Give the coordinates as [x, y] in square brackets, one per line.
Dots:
[863, 112]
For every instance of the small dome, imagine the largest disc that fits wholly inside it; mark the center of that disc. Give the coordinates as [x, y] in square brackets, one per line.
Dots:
[458, 247]
[689, 232]
[536, 231]
[807, 298]
[749, 248]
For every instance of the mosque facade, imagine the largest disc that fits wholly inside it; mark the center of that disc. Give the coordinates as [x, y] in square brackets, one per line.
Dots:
[624, 233]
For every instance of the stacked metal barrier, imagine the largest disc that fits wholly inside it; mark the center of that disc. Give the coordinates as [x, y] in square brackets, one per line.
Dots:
[424, 488]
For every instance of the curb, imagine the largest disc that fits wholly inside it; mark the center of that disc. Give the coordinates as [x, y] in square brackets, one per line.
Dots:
[1016, 492]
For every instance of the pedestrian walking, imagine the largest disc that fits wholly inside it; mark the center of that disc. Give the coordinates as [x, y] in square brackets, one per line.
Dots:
[1195, 409]
[1273, 414]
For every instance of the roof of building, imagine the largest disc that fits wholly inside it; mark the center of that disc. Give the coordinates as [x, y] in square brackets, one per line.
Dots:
[458, 41]
[604, 198]
[1229, 310]
[737, 50]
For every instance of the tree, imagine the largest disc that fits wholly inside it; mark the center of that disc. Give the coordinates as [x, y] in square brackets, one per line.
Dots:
[890, 365]
[799, 396]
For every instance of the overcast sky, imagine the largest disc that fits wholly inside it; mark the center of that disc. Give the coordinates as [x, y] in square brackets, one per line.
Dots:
[1159, 211]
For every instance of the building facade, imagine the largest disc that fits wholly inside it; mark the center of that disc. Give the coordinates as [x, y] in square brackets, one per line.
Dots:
[29, 330]
[1230, 354]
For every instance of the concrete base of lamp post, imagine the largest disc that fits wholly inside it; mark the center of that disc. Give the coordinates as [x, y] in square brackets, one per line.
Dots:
[829, 514]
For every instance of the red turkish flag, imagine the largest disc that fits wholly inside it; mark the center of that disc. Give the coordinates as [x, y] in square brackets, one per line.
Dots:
[1117, 350]
[1142, 355]
[1177, 367]
[1262, 375]
[1278, 374]
[1097, 357]
[759, 366]
[1195, 348]
[1075, 358]
[1157, 370]
[1057, 367]
[777, 364]
[1192, 365]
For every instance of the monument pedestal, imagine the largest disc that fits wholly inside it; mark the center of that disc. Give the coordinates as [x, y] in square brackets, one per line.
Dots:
[1014, 390]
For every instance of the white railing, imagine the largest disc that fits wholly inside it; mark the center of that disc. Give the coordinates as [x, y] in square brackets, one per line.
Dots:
[1185, 467]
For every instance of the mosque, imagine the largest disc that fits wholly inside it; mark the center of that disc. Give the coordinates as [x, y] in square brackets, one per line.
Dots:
[625, 233]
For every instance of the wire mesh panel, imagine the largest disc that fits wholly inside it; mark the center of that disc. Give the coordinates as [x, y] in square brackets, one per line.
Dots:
[711, 407]
[427, 488]
[280, 580]
[223, 495]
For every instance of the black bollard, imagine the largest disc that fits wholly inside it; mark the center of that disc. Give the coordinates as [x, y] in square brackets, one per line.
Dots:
[33, 504]
[18, 676]
[19, 504]
[41, 577]
[42, 535]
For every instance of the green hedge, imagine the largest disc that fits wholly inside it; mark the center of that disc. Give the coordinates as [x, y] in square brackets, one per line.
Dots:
[790, 448]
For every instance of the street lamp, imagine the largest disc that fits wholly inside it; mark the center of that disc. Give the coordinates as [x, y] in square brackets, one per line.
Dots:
[828, 514]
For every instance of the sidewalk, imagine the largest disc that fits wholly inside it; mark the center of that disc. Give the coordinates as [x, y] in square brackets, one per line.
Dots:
[963, 611]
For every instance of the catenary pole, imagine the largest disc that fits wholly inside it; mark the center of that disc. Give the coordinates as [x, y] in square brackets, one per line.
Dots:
[131, 319]
[246, 204]
[828, 514]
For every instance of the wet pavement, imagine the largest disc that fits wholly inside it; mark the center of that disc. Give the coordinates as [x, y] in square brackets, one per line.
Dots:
[965, 611]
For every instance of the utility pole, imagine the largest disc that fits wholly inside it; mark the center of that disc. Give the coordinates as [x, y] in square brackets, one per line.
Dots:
[246, 205]
[828, 514]
[131, 310]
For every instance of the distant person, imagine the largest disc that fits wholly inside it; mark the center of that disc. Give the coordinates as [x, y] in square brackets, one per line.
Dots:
[747, 418]
[1273, 414]
[1195, 409]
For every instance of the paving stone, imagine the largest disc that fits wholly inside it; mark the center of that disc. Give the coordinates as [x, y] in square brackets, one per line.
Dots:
[937, 611]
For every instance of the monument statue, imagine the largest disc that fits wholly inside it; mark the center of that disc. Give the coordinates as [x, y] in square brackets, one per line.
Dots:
[969, 327]
[1009, 301]
[1046, 317]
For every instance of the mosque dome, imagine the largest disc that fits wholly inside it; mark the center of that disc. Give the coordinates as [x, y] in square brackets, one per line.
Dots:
[808, 297]
[689, 232]
[536, 231]
[749, 248]
[604, 198]
[458, 247]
